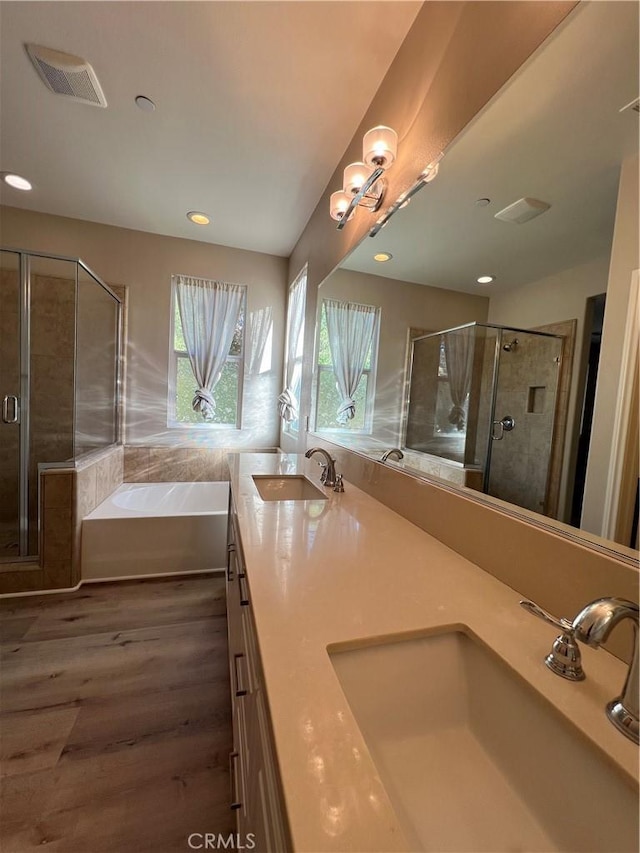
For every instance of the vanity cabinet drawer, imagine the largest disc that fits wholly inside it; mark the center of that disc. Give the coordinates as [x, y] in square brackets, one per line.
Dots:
[256, 794]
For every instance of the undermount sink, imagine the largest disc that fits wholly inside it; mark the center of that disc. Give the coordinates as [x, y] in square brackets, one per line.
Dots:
[287, 487]
[473, 759]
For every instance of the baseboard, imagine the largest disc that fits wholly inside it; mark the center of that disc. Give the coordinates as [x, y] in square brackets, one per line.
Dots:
[67, 589]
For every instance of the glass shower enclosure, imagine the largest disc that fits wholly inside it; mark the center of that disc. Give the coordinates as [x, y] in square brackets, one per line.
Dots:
[60, 334]
[485, 397]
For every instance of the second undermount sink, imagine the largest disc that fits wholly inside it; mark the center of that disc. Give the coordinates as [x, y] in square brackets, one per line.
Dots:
[473, 759]
[287, 487]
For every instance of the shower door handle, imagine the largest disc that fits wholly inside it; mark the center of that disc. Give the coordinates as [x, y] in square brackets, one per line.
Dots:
[10, 409]
[506, 425]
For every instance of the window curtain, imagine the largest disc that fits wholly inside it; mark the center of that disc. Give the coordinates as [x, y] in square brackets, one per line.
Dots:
[260, 323]
[458, 351]
[209, 313]
[288, 404]
[350, 327]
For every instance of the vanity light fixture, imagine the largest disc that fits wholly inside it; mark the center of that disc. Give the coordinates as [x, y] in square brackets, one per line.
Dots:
[382, 257]
[362, 183]
[485, 279]
[425, 177]
[16, 181]
[198, 218]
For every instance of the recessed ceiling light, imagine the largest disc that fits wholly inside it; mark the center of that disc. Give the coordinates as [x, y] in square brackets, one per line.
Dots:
[16, 181]
[382, 257]
[145, 104]
[483, 202]
[198, 217]
[486, 279]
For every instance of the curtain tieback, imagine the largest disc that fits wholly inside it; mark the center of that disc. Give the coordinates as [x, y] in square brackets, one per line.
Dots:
[346, 410]
[456, 416]
[287, 405]
[204, 403]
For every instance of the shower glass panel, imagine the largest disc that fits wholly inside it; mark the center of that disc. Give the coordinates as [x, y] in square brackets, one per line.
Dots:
[49, 403]
[10, 438]
[59, 362]
[96, 365]
[484, 398]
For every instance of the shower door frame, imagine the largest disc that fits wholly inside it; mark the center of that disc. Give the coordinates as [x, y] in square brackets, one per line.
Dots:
[24, 256]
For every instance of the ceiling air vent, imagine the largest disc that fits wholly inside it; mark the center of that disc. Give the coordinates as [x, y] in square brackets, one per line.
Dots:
[67, 75]
[522, 210]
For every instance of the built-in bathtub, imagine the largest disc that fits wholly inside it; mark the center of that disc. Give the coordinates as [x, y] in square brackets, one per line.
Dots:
[155, 529]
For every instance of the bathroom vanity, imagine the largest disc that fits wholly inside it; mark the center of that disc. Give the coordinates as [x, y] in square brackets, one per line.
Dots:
[390, 695]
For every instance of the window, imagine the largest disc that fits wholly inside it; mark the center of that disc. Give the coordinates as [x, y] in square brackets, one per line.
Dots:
[329, 398]
[222, 387]
[289, 400]
[454, 366]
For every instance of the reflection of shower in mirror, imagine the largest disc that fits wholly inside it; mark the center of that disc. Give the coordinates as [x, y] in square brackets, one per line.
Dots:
[510, 345]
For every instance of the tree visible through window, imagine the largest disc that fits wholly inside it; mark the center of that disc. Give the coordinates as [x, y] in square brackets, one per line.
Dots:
[227, 393]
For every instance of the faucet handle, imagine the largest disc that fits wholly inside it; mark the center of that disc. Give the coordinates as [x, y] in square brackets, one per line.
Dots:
[564, 658]
[339, 486]
[536, 610]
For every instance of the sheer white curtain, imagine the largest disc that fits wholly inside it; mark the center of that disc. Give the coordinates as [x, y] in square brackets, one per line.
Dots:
[209, 312]
[350, 327]
[288, 402]
[260, 325]
[458, 350]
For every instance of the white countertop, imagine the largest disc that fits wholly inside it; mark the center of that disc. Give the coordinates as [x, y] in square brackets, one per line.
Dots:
[347, 570]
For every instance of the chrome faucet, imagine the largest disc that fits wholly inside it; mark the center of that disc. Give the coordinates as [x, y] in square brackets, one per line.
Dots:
[592, 626]
[328, 476]
[395, 451]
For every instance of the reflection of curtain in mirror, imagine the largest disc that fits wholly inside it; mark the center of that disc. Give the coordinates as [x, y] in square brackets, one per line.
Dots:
[260, 323]
[287, 401]
[208, 312]
[458, 349]
[350, 327]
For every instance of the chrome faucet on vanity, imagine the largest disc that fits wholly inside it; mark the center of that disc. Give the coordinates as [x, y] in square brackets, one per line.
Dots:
[328, 476]
[395, 452]
[592, 626]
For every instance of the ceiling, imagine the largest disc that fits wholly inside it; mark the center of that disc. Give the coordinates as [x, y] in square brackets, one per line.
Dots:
[554, 132]
[256, 104]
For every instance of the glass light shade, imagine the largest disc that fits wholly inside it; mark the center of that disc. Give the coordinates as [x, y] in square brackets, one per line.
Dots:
[338, 204]
[354, 177]
[379, 147]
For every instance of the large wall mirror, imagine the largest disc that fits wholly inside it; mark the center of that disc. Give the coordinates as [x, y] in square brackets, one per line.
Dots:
[495, 386]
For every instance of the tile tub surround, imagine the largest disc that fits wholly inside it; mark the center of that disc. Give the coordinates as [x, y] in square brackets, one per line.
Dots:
[319, 576]
[178, 464]
[557, 573]
[66, 496]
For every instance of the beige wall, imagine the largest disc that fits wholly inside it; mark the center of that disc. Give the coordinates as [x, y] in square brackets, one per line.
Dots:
[624, 260]
[403, 305]
[559, 297]
[145, 262]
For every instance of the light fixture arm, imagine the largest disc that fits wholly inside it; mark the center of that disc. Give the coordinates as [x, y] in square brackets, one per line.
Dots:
[422, 180]
[362, 194]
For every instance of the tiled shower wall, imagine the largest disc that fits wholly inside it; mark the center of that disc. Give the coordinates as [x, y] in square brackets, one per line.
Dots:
[52, 336]
[9, 378]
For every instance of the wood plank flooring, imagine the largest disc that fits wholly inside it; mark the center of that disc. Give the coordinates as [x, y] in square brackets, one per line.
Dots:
[115, 718]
